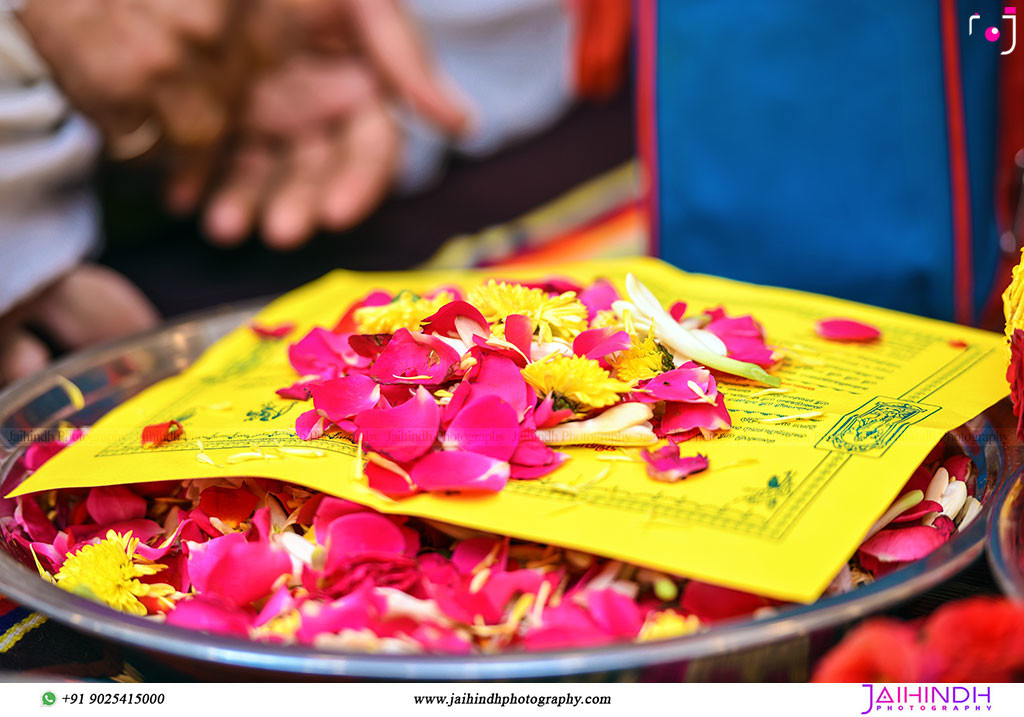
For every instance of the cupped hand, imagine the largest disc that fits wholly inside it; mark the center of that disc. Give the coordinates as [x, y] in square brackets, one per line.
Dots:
[318, 149]
[318, 146]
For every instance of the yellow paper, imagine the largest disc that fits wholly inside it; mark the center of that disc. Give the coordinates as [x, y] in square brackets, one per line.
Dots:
[784, 504]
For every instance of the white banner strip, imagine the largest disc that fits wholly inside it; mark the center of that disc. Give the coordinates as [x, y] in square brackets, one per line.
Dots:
[630, 700]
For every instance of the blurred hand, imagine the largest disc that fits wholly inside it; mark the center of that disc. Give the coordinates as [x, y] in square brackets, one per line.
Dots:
[88, 305]
[140, 68]
[318, 147]
[379, 31]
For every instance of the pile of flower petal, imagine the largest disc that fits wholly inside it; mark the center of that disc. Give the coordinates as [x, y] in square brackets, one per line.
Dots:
[935, 503]
[447, 392]
[275, 562]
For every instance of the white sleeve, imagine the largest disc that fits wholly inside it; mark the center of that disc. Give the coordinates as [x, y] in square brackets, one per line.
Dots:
[510, 59]
[48, 217]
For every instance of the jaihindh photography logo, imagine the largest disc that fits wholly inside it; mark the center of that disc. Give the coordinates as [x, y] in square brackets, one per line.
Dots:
[927, 698]
[994, 32]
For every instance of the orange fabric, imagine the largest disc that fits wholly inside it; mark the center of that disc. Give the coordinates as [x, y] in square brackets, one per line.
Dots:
[602, 38]
[621, 232]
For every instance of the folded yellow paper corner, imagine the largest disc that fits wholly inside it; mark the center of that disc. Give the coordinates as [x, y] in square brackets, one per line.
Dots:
[790, 492]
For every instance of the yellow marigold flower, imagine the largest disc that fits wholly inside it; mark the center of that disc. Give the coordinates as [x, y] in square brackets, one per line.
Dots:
[406, 311]
[579, 381]
[667, 624]
[561, 316]
[607, 318]
[107, 572]
[642, 360]
[1013, 300]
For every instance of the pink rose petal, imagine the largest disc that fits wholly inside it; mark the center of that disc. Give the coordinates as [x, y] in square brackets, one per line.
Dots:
[599, 296]
[675, 385]
[471, 552]
[386, 481]
[499, 376]
[918, 511]
[550, 285]
[203, 557]
[391, 571]
[415, 359]
[713, 602]
[682, 417]
[347, 323]
[519, 333]
[945, 525]
[545, 415]
[156, 553]
[39, 453]
[355, 611]
[486, 425]
[298, 391]
[54, 552]
[33, 520]
[369, 346]
[272, 332]
[846, 330]
[110, 504]
[457, 602]
[442, 322]
[519, 471]
[900, 545]
[667, 466]
[323, 353]
[140, 528]
[341, 398]
[598, 343]
[329, 509]
[208, 614]
[957, 467]
[504, 585]
[280, 602]
[244, 572]
[309, 425]
[403, 433]
[743, 338]
[614, 613]
[460, 471]
[533, 452]
[360, 534]
[566, 625]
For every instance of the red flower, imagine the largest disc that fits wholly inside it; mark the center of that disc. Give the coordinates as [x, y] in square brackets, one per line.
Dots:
[160, 433]
[880, 650]
[390, 571]
[977, 640]
[278, 331]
